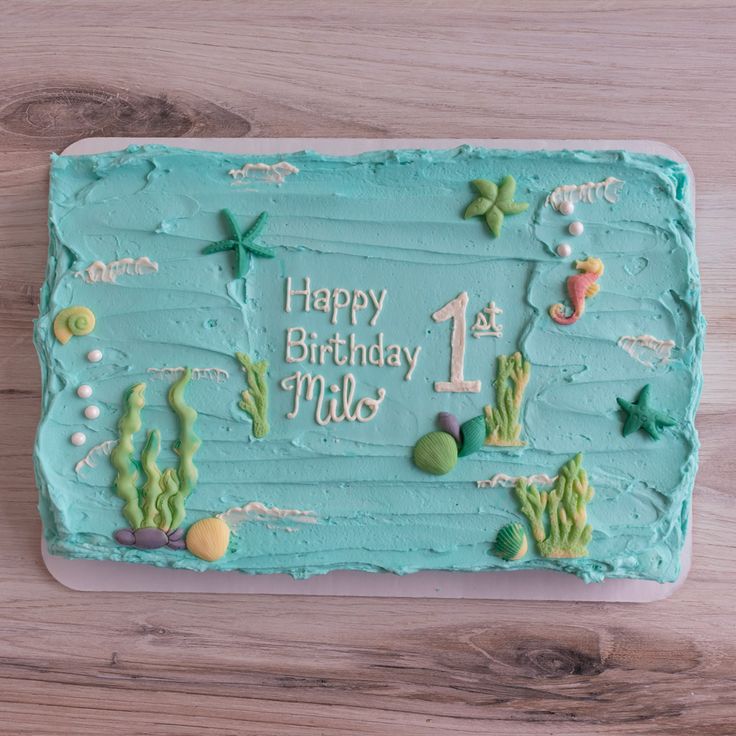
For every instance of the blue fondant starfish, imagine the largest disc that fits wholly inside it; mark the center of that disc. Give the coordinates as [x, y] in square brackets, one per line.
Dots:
[243, 244]
[640, 415]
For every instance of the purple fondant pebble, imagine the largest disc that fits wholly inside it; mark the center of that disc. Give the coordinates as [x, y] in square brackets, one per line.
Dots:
[150, 538]
[177, 544]
[176, 534]
[448, 423]
[125, 537]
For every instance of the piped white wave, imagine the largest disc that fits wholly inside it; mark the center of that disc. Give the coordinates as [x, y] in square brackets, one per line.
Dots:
[648, 350]
[509, 481]
[91, 458]
[591, 191]
[218, 375]
[108, 273]
[257, 511]
[275, 173]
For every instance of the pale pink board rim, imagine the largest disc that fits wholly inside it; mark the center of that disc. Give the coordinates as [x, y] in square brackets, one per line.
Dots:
[533, 585]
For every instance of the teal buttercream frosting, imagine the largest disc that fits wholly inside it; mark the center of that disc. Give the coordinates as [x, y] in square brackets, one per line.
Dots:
[383, 235]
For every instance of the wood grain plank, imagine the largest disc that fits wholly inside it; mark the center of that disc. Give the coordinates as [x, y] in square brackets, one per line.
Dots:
[72, 663]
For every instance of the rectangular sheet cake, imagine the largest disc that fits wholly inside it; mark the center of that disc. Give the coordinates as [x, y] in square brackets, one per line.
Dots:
[466, 359]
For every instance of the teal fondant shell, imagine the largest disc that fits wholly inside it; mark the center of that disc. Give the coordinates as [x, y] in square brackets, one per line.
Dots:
[436, 453]
[473, 435]
[511, 542]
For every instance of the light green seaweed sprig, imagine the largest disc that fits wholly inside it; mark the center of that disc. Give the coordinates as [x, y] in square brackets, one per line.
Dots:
[160, 500]
[255, 398]
[566, 532]
[495, 202]
[503, 426]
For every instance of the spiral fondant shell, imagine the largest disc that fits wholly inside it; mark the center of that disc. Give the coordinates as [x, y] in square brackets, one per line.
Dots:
[72, 321]
[208, 538]
[511, 542]
[473, 435]
[436, 453]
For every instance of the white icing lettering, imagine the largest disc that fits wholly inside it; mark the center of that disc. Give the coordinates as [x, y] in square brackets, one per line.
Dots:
[377, 303]
[338, 304]
[456, 310]
[411, 359]
[359, 303]
[345, 408]
[301, 342]
[305, 292]
[485, 324]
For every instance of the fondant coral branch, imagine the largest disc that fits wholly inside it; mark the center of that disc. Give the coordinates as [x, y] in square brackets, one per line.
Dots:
[156, 510]
[503, 427]
[255, 399]
[565, 506]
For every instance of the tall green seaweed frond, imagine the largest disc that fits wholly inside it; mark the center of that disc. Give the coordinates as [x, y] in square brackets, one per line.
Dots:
[566, 532]
[159, 501]
[503, 426]
[255, 398]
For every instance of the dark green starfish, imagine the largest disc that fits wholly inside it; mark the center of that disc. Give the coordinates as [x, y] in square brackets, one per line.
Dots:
[640, 415]
[243, 244]
[495, 202]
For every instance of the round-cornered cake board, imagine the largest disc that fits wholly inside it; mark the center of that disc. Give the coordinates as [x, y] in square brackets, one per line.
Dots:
[93, 575]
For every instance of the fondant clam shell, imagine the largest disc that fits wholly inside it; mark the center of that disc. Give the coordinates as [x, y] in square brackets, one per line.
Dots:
[71, 321]
[473, 436]
[208, 538]
[449, 423]
[511, 542]
[436, 453]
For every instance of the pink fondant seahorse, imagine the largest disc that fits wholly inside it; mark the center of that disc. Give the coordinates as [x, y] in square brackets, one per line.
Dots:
[579, 287]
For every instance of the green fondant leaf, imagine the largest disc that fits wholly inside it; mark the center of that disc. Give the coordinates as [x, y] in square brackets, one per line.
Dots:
[494, 219]
[486, 189]
[512, 208]
[478, 207]
[506, 190]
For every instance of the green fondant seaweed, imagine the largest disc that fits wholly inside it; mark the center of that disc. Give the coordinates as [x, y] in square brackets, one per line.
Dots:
[255, 399]
[122, 455]
[160, 502]
[503, 427]
[567, 532]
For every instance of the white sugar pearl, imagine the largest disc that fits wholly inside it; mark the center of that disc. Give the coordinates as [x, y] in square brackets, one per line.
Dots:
[92, 411]
[84, 391]
[95, 356]
[564, 250]
[78, 438]
[576, 228]
[566, 208]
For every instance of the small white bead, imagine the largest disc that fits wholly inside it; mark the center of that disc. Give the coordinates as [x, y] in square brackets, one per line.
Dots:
[564, 250]
[78, 438]
[576, 228]
[84, 391]
[566, 208]
[92, 411]
[95, 356]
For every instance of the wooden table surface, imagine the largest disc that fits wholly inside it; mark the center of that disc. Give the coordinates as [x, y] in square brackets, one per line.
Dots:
[75, 663]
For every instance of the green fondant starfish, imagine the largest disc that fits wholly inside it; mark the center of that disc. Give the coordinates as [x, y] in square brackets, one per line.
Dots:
[243, 244]
[495, 202]
[640, 415]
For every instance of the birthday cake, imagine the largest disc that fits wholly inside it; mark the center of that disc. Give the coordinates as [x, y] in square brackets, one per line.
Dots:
[403, 360]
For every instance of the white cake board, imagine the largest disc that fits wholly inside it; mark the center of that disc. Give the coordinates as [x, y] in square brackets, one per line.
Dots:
[537, 585]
